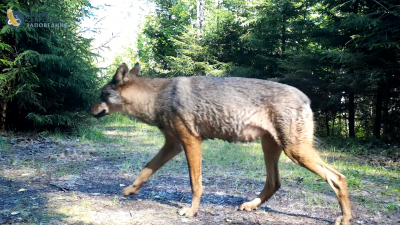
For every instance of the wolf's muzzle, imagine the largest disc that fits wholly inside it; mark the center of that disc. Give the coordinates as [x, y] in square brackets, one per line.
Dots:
[101, 114]
[98, 115]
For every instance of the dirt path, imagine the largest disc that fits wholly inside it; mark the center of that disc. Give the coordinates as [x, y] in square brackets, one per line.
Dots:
[47, 181]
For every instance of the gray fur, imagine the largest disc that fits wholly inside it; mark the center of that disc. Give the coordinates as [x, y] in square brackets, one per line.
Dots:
[232, 109]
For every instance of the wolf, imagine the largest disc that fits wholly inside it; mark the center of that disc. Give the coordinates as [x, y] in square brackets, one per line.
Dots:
[188, 110]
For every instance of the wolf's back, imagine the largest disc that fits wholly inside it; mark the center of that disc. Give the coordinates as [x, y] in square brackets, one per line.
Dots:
[235, 109]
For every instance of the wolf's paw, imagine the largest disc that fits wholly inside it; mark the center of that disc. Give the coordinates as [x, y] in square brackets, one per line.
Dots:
[248, 206]
[189, 212]
[342, 220]
[130, 190]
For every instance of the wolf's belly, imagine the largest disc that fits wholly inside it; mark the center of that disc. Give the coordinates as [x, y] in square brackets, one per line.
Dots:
[243, 127]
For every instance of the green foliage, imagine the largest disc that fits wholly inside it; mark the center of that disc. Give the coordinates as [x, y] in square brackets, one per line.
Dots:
[47, 75]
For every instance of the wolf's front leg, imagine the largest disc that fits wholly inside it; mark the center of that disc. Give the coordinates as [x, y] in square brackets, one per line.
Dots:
[171, 148]
[142, 178]
[192, 146]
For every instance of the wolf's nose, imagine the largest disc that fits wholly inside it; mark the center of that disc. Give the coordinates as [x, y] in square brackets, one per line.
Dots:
[88, 110]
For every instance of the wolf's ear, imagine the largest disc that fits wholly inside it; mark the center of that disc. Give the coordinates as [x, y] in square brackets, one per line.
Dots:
[135, 71]
[122, 75]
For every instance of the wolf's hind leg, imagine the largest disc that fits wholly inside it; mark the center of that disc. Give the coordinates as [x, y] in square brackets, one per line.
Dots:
[272, 153]
[171, 148]
[305, 155]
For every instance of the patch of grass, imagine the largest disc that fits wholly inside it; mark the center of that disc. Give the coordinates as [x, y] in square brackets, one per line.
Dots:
[43, 133]
[93, 134]
[34, 213]
[57, 134]
[359, 146]
[393, 207]
[70, 168]
[5, 145]
[115, 200]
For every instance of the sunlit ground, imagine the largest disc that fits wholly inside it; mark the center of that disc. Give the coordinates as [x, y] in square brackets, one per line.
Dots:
[57, 178]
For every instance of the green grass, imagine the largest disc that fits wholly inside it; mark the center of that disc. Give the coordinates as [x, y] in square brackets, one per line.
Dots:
[70, 168]
[5, 145]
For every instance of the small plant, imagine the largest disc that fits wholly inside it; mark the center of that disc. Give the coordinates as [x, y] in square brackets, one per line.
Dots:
[115, 201]
[393, 207]
[43, 133]
[73, 196]
[5, 144]
[57, 134]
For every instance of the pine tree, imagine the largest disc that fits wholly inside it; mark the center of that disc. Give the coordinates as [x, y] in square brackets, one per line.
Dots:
[47, 75]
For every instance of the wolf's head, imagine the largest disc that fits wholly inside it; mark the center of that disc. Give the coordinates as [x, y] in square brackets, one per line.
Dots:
[110, 99]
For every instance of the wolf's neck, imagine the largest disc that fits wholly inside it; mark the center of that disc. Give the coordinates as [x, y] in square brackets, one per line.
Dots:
[139, 98]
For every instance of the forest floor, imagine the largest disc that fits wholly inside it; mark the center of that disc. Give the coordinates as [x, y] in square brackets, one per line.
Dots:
[51, 178]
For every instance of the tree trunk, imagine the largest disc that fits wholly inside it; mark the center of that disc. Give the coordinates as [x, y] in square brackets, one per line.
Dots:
[378, 114]
[3, 115]
[385, 112]
[346, 120]
[355, 6]
[333, 124]
[351, 115]
[327, 123]
[200, 14]
[218, 15]
[283, 34]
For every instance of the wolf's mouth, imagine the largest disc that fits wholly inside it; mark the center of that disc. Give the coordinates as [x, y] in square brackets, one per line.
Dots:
[101, 114]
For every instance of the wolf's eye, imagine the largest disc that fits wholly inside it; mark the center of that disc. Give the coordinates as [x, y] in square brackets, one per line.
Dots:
[105, 94]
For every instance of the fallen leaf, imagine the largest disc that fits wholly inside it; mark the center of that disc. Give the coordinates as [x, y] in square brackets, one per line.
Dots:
[15, 213]
[22, 190]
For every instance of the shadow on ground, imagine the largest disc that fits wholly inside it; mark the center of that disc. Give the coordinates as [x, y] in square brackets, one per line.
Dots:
[31, 205]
